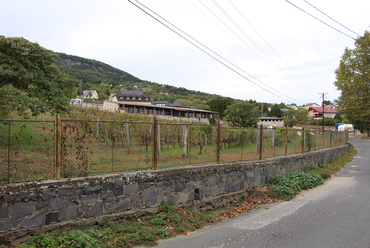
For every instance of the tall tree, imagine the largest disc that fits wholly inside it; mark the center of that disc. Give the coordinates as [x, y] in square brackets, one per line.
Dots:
[276, 111]
[242, 114]
[353, 79]
[29, 79]
[220, 105]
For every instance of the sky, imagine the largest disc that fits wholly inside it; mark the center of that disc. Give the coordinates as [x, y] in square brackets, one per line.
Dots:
[267, 50]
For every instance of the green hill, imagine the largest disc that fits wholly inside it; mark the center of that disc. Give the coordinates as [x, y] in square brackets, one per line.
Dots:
[105, 79]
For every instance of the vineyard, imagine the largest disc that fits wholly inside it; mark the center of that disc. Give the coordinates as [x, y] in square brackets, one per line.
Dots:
[94, 143]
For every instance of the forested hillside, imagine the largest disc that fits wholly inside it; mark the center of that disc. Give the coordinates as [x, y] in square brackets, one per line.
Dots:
[106, 79]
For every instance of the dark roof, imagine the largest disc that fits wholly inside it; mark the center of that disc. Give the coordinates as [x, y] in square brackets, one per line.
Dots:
[131, 93]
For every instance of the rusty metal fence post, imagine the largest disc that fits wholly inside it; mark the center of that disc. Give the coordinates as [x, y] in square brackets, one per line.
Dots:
[218, 142]
[286, 141]
[57, 148]
[261, 131]
[303, 140]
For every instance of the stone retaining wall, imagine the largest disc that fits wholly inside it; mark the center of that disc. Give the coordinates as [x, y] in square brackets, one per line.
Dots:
[36, 205]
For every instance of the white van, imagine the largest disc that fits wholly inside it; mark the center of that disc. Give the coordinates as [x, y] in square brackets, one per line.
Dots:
[76, 101]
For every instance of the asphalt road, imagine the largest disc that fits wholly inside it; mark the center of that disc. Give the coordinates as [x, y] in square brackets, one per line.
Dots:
[336, 214]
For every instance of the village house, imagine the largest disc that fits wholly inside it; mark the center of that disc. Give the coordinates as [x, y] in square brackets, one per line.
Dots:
[90, 94]
[317, 112]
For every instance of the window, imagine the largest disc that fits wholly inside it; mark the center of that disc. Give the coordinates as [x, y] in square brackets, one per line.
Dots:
[133, 98]
[146, 98]
[139, 98]
[128, 98]
[121, 97]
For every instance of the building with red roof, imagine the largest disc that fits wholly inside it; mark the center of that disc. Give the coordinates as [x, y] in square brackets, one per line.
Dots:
[317, 112]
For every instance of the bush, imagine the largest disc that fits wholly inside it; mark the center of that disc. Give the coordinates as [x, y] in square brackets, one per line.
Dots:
[287, 186]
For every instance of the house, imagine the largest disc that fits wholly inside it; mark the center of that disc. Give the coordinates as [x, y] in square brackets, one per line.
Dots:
[309, 105]
[317, 112]
[133, 96]
[90, 94]
[136, 102]
[292, 106]
[112, 97]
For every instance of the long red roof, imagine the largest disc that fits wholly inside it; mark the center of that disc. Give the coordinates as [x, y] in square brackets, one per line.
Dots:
[326, 109]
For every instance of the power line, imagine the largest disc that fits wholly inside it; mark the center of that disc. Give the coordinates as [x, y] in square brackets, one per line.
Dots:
[320, 20]
[212, 56]
[313, 89]
[331, 18]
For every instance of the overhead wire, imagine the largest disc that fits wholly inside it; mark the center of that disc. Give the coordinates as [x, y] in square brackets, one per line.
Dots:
[203, 50]
[320, 20]
[331, 18]
[277, 65]
[242, 15]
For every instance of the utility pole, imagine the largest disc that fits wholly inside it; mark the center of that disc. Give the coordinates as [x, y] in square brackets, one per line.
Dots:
[323, 111]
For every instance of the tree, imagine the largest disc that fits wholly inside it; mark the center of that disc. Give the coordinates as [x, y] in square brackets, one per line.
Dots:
[302, 115]
[29, 79]
[276, 111]
[353, 79]
[220, 105]
[243, 114]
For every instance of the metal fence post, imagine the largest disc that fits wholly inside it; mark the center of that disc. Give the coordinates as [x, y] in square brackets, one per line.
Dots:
[155, 144]
[286, 141]
[314, 145]
[218, 142]
[303, 140]
[261, 130]
[9, 153]
[57, 148]
[331, 134]
[323, 139]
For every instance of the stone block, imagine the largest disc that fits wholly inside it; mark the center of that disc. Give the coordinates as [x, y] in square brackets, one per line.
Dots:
[92, 189]
[4, 211]
[36, 220]
[192, 195]
[107, 187]
[211, 182]
[250, 174]
[159, 192]
[69, 213]
[6, 225]
[78, 191]
[118, 191]
[59, 203]
[122, 206]
[214, 191]
[51, 217]
[172, 199]
[168, 183]
[167, 191]
[88, 199]
[47, 195]
[150, 197]
[96, 210]
[183, 197]
[221, 189]
[135, 203]
[144, 186]
[189, 187]
[131, 188]
[20, 210]
[65, 192]
[41, 205]
[106, 195]
[179, 186]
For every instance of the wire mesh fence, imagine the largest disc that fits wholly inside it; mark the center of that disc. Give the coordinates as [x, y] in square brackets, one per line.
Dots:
[29, 149]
